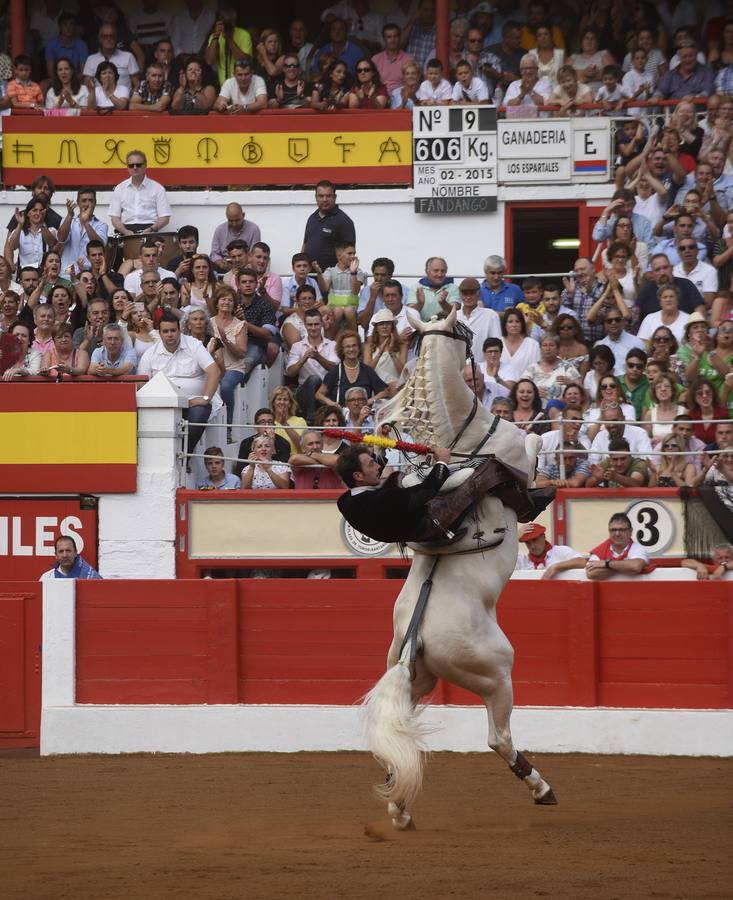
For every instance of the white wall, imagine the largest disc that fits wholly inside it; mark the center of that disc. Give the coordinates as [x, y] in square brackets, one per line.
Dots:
[386, 224]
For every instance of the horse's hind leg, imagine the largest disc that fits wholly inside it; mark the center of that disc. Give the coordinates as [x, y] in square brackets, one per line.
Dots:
[499, 708]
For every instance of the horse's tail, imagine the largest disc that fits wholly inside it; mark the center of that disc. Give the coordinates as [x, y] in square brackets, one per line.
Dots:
[394, 734]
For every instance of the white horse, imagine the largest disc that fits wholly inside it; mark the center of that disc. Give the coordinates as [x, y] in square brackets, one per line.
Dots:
[459, 638]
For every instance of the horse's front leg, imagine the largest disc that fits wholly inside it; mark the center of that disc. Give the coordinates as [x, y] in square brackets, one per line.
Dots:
[499, 703]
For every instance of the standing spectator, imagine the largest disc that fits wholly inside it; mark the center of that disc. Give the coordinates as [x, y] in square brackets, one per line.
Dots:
[339, 47]
[150, 25]
[218, 479]
[139, 204]
[390, 61]
[418, 35]
[244, 92]
[42, 188]
[31, 237]
[581, 291]
[189, 366]
[75, 232]
[326, 227]
[483, 322]
[190, 27]
[124, 62]
[236, 228]
[496, 293]
[261, 473]
[619, 555]
[637, 82]
[69, 564]
[226, 44]
[508, 53]
[549, 55]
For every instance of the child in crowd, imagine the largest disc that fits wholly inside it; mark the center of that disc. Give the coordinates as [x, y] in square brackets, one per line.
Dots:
[24, 93]
[611, 95]
[468, 88]
[534, 308]
[569, 92]
[301, 266]
[342, 283]
[630, 138]
[218, 479]
[637, 82]
[435, 90]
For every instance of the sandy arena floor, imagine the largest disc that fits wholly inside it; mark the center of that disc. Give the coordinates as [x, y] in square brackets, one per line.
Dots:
[250, 826]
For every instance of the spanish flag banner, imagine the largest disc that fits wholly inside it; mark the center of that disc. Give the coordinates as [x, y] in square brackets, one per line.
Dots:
[68, 438]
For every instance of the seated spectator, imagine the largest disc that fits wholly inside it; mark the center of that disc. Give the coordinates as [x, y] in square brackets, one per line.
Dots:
[287, 91]
[568, 93]
[138, 203]
[611, 94]
[109, 93]
[392, 297]
[154, 93]
[704, 228]
[261, 473]
[236, 228]
[269, 55]
[150, 24]
[541, 554]
[526, 405]
[574, 399]
[720, 473]
[147, 264]
[332, 90]
[502, 407]
[701, 274]
[500, 62]
[529, 90]
[368, 92]
[494, 371]
[351, 372]
[669, 315]
[664, 409]
[218, 478]
[29, 359]
[69, 564]
[43, 318]
[600, 363]
[269, 284]
[331, 417]
[497, 293]
[689, 79]
[520, 351]
[436, 90]
[385, 352]
[651, 202]
[468, 88]
[435, 293]
[22, 91]
[704, 407]
[228, 345]
[226, 45]
[115, 357]
[485, 393]
[188, 244]
[637, 82]
[189, 366]
[309, 360]
[66, 45]
[550, 373]
[620, 469]
[358, 413]
[66, 91]
[619, 555]
[62, 359]
[533, 305]
[391, 61]
[637, 253]
[404, 96]
[245, 92]
[590, 61]
[674, 469]
[370, 296]
[613, 427]
[9, 306]
[720, 564]
[482, 322]
[313, 468]
[612, 299]
[692, 353]
[634, 382]
[572, 347]
[683, 225]
[293, 328]
[618, 341]
[199, 291]
[573, 458]
[264, 421]
[193, 94]
[661, 275]
[609, 392]
[298, 42]
[549, 56]
[287, 424]
[260, 318]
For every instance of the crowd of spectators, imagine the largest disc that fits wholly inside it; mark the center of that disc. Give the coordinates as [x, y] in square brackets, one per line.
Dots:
[370, 55]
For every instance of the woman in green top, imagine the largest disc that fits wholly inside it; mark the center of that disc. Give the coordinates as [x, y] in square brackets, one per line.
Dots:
[227, 44]
[703, 362]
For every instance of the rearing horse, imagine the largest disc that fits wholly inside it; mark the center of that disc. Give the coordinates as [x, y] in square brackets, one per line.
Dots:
[459, 639]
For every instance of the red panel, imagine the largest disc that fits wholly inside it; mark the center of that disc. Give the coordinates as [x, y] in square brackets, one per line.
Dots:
[20, 665]
[68, 397]
[87, 478]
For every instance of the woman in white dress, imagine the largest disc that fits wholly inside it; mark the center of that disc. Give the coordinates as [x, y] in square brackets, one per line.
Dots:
[66, 91]
[519, 350]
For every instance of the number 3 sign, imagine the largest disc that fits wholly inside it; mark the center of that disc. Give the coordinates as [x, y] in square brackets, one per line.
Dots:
[652, 525]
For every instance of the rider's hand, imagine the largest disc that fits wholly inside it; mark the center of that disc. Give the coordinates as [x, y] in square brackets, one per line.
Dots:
[442, 454]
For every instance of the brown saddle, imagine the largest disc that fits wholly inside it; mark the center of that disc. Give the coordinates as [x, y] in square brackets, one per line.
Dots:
[445, 511]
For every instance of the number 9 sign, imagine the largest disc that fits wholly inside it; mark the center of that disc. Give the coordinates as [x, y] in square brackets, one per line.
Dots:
[652, 525]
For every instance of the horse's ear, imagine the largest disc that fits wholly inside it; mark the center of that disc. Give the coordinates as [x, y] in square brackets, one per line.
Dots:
[414, 319]
[450, 319]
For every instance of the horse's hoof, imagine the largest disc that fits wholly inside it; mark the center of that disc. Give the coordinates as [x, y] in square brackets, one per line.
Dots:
[404, 822]
[547, 799]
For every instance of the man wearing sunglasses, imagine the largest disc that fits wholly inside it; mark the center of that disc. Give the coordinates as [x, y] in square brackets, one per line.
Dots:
[288, 91]
[661, 273]
[618, 340]
[634, 382]
[700, 273]
[139, 204]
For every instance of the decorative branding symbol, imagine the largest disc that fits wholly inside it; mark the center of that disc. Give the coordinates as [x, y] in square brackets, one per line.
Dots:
[113, 148]
[390, 146]
[162, 150]
[207, 149]
[298, 149]
[69, 149]
[344, 145]
[252, 151]
[361, 544]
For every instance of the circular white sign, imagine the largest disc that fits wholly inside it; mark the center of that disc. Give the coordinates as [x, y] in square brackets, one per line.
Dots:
[652, 525]
[360, 543]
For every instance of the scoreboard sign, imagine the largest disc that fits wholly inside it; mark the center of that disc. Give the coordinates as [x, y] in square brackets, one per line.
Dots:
[454, 159]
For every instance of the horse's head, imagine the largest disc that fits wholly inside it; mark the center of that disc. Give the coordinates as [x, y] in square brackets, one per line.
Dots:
[455, 338]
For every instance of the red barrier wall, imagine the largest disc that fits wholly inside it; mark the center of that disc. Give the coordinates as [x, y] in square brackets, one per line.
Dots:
[20, 665]
[634, 644]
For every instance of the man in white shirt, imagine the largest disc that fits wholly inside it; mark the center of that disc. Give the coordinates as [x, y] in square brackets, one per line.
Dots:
[148, 263]
[483, 322]
[309, 360]
[541, 554]
[468, 88]
[618, 340]
[619, 555]
[190, 368]
[244, 93]
[125, 61]
[529, 89]
[191, 27]
[700, 273]
[435, 90]
[139, 204]
[485, 393]
[612, 419]
[572, 421]
[392, 295]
